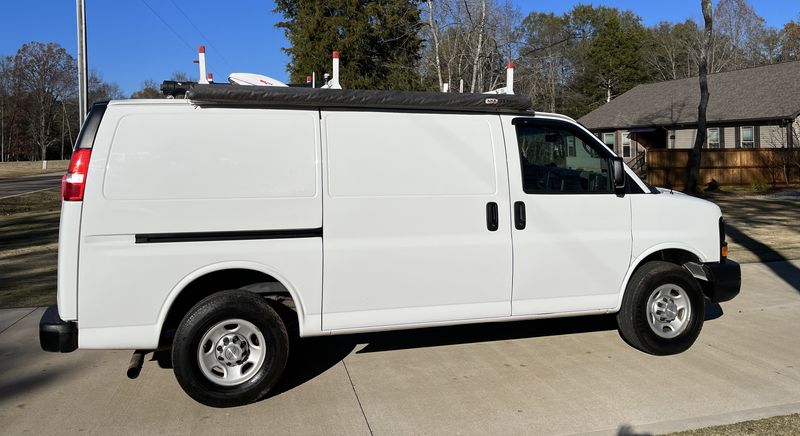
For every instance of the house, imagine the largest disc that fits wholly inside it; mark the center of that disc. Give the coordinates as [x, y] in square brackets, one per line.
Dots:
[748, 108]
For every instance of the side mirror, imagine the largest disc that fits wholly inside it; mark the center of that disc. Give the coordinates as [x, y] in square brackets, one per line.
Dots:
[618, 170]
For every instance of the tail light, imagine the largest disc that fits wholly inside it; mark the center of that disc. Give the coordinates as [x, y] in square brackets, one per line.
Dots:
[723, 244]
[74, 182]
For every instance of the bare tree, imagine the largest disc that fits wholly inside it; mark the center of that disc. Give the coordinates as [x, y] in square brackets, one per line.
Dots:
[693, 165]
[434, 29]
[45, 73]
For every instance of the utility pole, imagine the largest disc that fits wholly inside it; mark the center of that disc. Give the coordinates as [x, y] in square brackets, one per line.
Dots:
[83, 79]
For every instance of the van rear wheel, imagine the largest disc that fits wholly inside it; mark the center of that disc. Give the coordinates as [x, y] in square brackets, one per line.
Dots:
[662, 311]
[230, 349]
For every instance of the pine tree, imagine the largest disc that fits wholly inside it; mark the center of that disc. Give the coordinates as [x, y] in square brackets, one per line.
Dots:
[378, 40]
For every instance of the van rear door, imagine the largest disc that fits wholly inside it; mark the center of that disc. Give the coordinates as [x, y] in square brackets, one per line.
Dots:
[416, 216]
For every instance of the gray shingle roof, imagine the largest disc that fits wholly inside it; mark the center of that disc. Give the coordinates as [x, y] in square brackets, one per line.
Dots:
[760, 93]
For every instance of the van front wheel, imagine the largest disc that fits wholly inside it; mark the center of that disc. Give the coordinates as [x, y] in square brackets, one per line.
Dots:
[663, 309]
[230, 349]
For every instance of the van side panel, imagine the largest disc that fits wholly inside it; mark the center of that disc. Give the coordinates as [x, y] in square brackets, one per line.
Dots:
[68, 242]
[406, 234]
[167, 169]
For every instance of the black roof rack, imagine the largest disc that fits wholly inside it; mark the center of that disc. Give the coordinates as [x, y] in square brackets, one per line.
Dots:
[274, 96]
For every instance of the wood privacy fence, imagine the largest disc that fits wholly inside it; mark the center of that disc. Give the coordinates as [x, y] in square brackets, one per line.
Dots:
[772, 166]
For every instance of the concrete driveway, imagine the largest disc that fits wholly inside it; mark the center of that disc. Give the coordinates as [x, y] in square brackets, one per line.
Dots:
[22, 185]
[562, 376]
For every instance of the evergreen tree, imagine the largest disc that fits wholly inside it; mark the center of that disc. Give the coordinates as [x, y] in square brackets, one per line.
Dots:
[613, 63]
[378, 40]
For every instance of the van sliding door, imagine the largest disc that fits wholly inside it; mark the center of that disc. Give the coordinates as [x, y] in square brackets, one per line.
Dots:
[416, 219]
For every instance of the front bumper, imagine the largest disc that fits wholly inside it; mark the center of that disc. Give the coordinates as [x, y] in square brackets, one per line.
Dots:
[55, 334]
[723, 280]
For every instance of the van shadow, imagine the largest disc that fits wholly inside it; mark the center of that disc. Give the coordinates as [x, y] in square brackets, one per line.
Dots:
[772, 259]
[311, 357]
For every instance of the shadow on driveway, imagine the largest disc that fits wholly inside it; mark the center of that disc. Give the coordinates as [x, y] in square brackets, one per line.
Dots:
[774, 260]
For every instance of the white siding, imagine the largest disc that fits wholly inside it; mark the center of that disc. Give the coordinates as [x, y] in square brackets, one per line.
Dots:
[772, 136]
[729, 134]
[684, 138]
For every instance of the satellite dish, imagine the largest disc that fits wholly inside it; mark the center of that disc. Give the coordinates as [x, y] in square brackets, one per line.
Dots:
[252, 79]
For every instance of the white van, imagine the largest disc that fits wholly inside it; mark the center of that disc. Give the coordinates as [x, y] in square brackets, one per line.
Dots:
[188, 224]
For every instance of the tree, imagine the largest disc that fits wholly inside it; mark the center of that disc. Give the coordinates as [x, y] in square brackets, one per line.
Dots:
[150, 89]
[613, 61]
[790, 41]
[379, 40]
[693, 164]
[737, 38]
[671, 50]
[43, 74]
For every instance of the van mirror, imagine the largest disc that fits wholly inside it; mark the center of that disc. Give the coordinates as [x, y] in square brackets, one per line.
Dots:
[618, 170]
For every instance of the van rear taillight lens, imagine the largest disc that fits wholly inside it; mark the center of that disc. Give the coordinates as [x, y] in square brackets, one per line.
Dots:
[74, 182]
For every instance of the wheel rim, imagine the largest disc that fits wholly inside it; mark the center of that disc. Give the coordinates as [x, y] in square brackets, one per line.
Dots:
[231, 352]
[668, 310]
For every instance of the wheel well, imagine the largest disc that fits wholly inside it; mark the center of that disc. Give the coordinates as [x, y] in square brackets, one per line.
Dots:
[671, 255]
[211, 283]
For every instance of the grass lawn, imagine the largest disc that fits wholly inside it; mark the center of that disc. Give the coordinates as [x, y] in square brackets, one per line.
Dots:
[29, 249]
[778, 425]
[20, 169]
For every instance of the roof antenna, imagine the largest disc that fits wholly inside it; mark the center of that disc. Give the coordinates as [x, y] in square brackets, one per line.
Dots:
[509, 88]
[201, 59]
[334, 82]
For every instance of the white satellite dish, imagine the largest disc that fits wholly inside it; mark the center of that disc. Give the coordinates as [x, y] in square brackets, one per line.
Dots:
[253, 79]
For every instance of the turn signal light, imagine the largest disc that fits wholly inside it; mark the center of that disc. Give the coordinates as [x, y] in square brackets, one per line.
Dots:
[74, 182]
[724, 251]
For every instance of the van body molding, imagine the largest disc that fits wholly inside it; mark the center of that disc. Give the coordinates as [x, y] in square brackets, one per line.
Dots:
[150, 238]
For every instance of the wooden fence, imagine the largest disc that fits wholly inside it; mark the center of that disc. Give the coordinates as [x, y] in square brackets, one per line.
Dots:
[770, 166]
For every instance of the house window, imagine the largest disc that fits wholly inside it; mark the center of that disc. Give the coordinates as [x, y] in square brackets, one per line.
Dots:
[609, 139]
[626, 145]
[747, 137]
[713, 137]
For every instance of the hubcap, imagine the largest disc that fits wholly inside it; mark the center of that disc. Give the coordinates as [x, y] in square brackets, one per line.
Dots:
[668, 310]
[231, 352]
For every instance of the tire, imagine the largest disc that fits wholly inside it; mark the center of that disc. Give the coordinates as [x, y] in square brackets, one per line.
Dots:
[243, 351]
[663, 309]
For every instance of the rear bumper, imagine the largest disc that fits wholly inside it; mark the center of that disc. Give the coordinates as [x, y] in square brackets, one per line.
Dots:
[55, 334]
[724, 280]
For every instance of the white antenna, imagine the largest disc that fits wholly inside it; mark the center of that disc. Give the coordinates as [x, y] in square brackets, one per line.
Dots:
[252, 79]
[509, 88]
[201, 59]
[334, 82]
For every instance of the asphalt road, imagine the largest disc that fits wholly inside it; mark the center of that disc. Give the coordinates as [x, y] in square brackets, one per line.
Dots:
[572, 375]
[21, 185]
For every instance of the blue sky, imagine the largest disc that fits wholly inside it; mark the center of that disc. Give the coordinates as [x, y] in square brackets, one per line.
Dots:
[134, 40]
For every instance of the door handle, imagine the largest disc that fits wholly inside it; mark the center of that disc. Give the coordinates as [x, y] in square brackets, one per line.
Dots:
[492, 219]
[519, 215]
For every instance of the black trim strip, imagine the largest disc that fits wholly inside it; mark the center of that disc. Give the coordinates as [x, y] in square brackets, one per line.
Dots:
[154, 238]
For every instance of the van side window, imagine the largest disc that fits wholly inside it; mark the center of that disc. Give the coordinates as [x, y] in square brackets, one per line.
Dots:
[556, 160]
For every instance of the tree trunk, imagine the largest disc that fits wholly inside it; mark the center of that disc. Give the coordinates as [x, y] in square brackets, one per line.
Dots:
[479, 48]
[435, 33]
[693, 165]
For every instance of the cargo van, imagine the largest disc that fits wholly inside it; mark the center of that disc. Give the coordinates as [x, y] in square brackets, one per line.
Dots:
[189, 225]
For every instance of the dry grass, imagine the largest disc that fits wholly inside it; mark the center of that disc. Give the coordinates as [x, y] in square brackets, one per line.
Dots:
[29, 249]
[779, 425]
[20, 169]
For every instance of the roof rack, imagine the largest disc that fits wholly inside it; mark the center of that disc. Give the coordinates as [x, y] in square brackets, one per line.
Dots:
[259, 90]
[270, 96]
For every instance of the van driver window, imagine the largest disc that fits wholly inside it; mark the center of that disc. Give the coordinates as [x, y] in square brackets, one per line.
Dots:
[554, 160]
